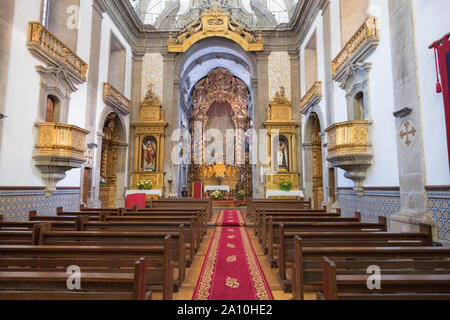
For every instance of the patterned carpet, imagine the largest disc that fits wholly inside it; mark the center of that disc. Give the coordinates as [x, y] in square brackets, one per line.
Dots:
[231, 270]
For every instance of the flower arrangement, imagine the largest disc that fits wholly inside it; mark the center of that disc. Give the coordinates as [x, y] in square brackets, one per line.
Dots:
[241, 195]
[103, 182]
[145, 184]
[216, 195]
[285, 186]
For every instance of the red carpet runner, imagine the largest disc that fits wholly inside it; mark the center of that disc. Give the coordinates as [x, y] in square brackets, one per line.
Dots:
[230, 218]
[231, 270]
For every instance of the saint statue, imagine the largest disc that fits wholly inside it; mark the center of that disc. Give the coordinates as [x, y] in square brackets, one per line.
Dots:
[149, 153]
[283, 155]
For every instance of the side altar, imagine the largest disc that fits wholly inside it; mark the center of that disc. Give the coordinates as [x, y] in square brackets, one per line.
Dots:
[284, 162]
[149, 144]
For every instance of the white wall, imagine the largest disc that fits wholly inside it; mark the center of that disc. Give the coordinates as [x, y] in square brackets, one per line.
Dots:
[107, 28]
[431, 23]
[384, 171]
[21, 105]
[16, 164]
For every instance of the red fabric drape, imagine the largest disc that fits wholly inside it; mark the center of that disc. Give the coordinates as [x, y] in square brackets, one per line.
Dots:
[137, 199]
[197, 192]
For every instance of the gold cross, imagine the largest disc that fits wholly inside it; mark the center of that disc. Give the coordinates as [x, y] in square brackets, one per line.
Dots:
[411, 131]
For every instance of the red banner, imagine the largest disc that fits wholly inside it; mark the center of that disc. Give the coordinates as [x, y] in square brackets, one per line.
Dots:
[442, 51]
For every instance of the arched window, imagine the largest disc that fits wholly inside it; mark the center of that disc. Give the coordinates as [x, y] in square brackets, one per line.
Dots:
[358, 106]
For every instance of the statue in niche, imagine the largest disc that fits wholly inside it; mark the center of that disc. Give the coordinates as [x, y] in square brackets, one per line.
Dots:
[149, 149]
[283, 154]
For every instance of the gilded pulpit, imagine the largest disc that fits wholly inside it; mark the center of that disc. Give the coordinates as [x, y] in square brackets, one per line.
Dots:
[281, 142]
[149, 144]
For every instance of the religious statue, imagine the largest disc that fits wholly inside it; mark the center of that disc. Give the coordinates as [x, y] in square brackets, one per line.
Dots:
[149, 155]
[283, 154]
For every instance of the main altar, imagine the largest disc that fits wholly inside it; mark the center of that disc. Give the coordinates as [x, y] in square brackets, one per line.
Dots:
[221, 104]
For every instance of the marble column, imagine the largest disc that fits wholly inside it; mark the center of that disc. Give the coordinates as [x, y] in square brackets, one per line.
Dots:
[93, 71]
[309, 170]
[121, 175]
[95, 201]
[327, 87]
[135, 99]
[6, 22]
[406, 94]
[328, 84]
[92, 92]
[170, 106]
[294, 57]
[260, 115]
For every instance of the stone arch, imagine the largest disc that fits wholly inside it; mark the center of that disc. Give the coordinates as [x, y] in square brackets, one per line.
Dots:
[195, 64]
[313, 159]
[118, 147]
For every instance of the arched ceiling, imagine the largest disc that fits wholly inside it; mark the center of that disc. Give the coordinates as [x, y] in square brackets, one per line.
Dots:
[209, 54]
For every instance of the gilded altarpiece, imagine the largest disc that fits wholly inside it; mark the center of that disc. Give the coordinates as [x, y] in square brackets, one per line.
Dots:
[283, 159]
[149, 143]
[220, 86]
[110, 144]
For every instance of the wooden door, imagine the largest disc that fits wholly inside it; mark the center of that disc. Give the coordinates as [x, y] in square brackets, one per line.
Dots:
[50, 110]
[86, 183]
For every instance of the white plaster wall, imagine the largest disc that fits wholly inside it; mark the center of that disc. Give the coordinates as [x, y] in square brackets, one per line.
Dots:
[77, 110]
[16, 163]
[21, 106]
[108, 27]
[384, 171]
[431, 23]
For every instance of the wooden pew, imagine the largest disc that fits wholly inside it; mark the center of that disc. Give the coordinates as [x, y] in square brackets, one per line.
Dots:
[105, 238]
[307, 273]
[275, 230]
[185, 203]
[29, 225]
[419, 280]
[261, 204]
[159, 267]
[202, 214]
[22, 237]
[260, 213]
[80, 219]
[269, 221]
[190, 236]
[286, 255]
[179, 217]
[50, 283]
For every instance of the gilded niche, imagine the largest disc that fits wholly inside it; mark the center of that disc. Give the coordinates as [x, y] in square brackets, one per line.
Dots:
[284, 162]
[149, 142]
[215, 23]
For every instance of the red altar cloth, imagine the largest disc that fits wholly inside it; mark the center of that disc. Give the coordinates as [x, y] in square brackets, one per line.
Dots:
[137, 199]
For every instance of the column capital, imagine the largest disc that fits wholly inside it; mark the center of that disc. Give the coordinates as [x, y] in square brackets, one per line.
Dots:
[168, 56]
[294, 54]
[99, 6]
[263, 55]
